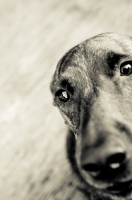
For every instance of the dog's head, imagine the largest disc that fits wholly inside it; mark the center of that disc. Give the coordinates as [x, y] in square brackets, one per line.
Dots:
[92, 88]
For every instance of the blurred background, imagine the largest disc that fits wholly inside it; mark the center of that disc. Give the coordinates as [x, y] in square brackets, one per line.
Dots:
[34, 35]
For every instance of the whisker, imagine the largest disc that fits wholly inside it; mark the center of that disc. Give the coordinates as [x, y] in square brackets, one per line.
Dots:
[64, 164]
[48, 73]
[45, 85]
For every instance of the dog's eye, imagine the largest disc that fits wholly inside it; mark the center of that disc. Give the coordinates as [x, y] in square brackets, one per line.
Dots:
[126, 69]
[63, 95]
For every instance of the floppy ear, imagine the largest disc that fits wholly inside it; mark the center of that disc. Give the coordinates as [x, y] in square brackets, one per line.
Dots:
[56, 75]
[52, 84]
[62, 63]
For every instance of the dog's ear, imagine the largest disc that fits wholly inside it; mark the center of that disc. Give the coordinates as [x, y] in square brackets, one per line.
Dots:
[52, 87]
[63, 62]
[52, 84]
[55, 77]
[54, 81]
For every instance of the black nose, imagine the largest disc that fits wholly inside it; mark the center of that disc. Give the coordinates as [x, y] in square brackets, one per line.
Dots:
[104, 161]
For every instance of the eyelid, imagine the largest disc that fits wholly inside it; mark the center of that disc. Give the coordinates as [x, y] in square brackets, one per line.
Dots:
[69, 91]
[125, 60]
[58, 92]
[66, 83]
[126, 63]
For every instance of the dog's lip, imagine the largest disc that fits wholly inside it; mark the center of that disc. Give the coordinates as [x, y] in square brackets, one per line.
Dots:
[119, 187]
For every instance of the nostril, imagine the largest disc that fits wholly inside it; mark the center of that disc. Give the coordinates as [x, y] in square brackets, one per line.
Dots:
[91, 167]
[115, 161]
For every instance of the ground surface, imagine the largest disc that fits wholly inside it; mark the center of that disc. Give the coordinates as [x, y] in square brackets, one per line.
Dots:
[34, 34]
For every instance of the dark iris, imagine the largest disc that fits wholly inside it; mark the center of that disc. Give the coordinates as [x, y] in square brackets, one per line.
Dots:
[126, 69]
[63, 95]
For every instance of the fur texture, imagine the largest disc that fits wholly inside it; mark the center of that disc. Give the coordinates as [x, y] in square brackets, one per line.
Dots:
[95, 101]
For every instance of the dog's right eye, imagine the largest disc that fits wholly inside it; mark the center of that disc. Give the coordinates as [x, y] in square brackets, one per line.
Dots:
[63, 95]
[126, 68]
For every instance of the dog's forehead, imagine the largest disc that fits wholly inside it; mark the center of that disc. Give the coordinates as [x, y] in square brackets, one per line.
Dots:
[103, 46]
[91, 56]
[111, 42]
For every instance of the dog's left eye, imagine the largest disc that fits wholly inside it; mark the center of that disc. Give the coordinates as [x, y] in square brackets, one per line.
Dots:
[63, 95]
[126, 69]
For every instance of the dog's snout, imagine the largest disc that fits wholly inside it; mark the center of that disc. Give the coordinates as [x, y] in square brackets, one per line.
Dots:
[104, 161]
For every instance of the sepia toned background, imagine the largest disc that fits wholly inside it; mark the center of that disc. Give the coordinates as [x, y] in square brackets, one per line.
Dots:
[34, 35]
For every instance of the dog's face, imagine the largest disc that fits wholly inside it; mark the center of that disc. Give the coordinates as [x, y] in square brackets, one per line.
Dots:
[96, 103]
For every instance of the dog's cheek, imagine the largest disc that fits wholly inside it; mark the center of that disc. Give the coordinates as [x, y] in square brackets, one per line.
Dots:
[72, 119]
[68, 121]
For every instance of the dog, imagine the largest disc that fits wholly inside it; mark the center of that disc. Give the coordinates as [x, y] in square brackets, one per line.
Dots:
[92, 87]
